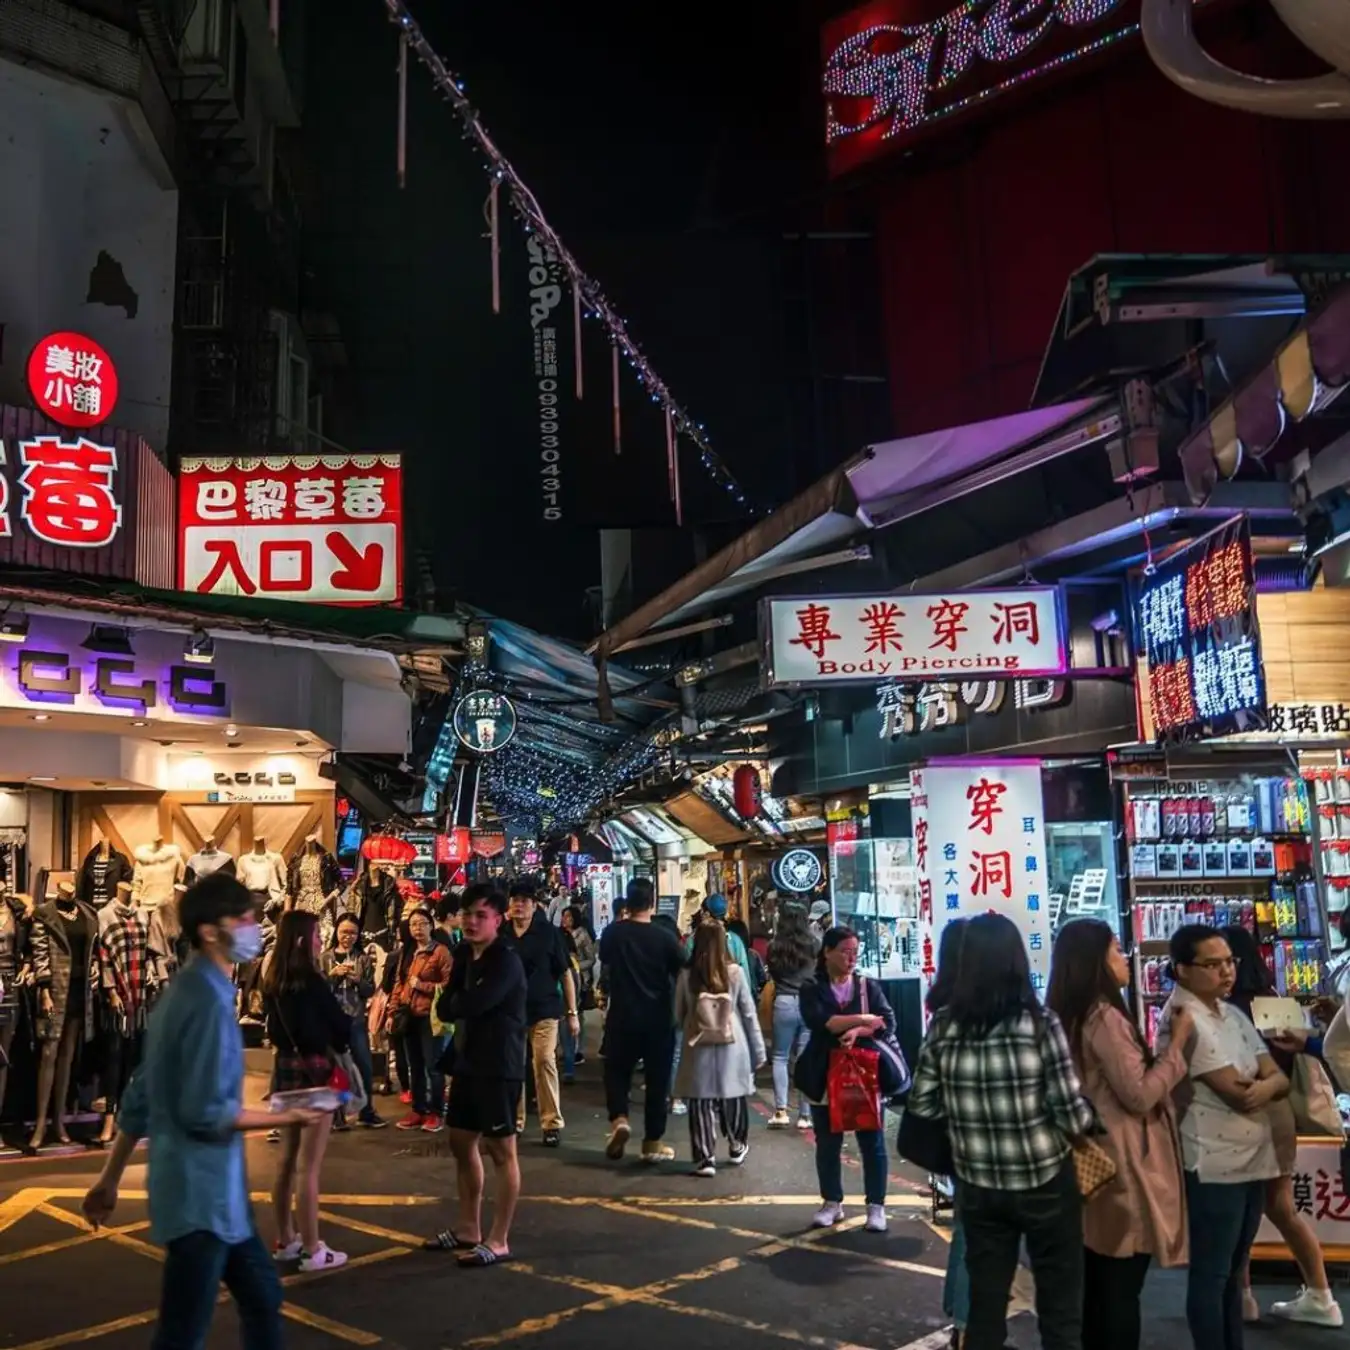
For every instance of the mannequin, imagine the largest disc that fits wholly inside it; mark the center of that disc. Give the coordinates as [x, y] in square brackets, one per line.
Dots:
[314, 879]
[262, 873]
[128, 977]
[168, 948]
[65, 965]
[16, 917]
[207, 860]
[159, 868]
[378, 906]
[103, 870]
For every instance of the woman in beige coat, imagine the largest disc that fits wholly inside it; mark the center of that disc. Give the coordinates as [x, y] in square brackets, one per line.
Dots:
[1140, 1217]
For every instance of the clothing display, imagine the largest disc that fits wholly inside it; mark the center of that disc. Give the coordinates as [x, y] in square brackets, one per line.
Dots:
[263, 874]
[13, 940]
[378, 906]
[159, 868]
[313, 878]
[100, 874]
[207, 861]
[57, 939]
[125, 958]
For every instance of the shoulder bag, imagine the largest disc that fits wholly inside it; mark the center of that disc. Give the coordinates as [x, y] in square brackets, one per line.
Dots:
[336, 1070]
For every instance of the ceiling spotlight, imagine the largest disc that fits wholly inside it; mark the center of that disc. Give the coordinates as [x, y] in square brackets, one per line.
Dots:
[200, 650]
[232, 730]
[13, 626]
[42, 778]
[109, 640]
[140, 722]
[39, 717]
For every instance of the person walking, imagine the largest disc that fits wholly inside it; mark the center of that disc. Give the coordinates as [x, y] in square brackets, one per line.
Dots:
[580, 942]
[187, 1099]
[424, 968]
[351, 976]
[723, 1046]
[1140, 1217]
[791, 964]
[641, 961]
[551, 996]
[997, 1068]
[842, 1009]
[308, 1028]
[485, 1001]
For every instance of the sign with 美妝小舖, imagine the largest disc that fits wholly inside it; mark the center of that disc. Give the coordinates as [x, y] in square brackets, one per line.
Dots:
[72, 380]
[979, 848]
[1197, 632]
[326, 529]
[963, 635]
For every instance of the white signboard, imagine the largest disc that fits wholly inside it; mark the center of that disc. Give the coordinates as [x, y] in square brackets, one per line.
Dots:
[979, 848]
[913, 638]
[600, 878]
[231, 794]
[1319, 1195]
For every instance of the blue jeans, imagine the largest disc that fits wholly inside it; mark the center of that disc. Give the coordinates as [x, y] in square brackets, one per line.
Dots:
[790, 1036]
[829, 1160]
[572, 1048]
[195, 1266]
[678, 1037]
[425, 1049]
[1223, 1223]
[365, 1066]
[956, 1287]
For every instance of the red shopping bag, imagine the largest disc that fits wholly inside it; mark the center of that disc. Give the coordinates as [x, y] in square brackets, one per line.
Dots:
[853, 1089]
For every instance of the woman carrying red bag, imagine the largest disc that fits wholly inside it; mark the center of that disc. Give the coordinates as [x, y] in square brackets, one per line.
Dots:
[844, 1011]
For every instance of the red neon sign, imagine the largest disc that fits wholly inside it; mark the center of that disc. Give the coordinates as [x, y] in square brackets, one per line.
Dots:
[72, 380]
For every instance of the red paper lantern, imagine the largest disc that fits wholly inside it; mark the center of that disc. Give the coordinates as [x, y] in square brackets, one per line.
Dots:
[388, 849]
[746, 791]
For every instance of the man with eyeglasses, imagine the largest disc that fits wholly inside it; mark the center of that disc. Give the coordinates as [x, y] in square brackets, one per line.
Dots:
[1226, 1144]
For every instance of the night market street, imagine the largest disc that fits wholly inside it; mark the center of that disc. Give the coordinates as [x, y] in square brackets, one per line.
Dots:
[615, 1255]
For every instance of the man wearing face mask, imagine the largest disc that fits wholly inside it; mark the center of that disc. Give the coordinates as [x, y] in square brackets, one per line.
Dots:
[187, 1099]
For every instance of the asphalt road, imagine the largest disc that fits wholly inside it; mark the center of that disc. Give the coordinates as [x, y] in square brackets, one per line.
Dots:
[605, 1254]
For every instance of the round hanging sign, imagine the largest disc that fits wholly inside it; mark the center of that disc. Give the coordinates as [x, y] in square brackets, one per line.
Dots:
[72, 380]
[797, 870]
[485, 721]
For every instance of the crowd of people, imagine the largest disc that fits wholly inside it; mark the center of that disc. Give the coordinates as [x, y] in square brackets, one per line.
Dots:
[484, 996]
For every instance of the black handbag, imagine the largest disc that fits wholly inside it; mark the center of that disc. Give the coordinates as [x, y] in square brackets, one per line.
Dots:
[924, 1141]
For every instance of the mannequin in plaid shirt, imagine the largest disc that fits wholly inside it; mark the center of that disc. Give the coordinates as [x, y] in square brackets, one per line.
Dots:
[128, 982]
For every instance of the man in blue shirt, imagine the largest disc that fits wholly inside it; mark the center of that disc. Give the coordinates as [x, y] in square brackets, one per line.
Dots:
[187, 1099]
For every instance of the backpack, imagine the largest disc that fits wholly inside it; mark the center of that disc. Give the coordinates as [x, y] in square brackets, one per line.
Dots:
[711, 1021]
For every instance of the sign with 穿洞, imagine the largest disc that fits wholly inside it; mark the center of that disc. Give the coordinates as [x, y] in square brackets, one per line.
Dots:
[324, 529]
[979, 848]
[72, 380]
[963, 635]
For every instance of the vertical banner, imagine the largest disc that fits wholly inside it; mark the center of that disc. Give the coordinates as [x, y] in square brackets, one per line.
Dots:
[547, 336]
[979, 848]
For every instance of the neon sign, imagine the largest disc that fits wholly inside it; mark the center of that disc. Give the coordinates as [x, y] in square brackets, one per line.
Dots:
[55, 677]
[895, 78]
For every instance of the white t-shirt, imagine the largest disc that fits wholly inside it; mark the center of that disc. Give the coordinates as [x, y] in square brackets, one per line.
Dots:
[1218, 1143]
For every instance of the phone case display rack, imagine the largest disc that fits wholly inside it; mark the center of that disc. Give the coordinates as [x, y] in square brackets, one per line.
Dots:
[1239, 851]
[1331, 801]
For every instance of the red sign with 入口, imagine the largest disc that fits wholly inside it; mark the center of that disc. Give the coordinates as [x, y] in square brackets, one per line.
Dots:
[323, 529]
[72, 380]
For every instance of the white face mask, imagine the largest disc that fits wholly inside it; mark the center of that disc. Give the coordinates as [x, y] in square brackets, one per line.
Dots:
[244, 943]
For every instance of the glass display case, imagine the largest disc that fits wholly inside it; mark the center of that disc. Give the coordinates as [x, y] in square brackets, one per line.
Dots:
[1081, 856]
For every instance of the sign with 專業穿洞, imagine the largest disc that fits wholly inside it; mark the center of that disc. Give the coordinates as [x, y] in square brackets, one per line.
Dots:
[324, 529]
[1014, 633]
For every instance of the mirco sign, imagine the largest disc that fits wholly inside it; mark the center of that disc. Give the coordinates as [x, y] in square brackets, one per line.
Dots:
[327, 529]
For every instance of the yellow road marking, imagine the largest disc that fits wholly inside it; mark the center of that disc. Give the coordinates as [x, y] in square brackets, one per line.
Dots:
[20, 1204]
[62, 1244]
[82, 1334]
[783, 1333]
[944, 1233]
[258, 1197]
[116, 1235]
[341, 1330]
[371, 1229]
[356, 1262]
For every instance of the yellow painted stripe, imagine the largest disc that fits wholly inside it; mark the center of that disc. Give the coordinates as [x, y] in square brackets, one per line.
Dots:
[83, 1334]
[340, 1330]
[532, 1326]
[356, 1262]
[784, 1333]
[62, 1244]
[649, 1212]
[21, 1204]
[258, 1197]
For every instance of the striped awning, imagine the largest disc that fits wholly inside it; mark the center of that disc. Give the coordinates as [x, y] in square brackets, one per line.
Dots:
[1307, 372]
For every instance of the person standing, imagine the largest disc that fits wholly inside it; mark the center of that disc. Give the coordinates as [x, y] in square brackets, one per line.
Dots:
[997, 1068]
[792, 963]
[551, 995]
[188, 1099]
[723, 1046]
[1226, 1143]
[351, 976]
[1140, 1217]
[424, 968]
[485, 1001]
[641, 961]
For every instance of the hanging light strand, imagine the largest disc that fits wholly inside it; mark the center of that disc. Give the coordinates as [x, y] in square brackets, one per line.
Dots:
[527, 209]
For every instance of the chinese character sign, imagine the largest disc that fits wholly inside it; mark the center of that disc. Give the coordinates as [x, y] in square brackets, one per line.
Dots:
[1320, 1194]
[1197, 629]
[979, 831]
[72, 380]
[485, 721]
[911, 638]
[324, 529]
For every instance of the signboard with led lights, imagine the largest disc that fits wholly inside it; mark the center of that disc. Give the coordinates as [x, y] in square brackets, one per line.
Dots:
[485, 721]
[893, 69]
[1197, 631]
[799, 870]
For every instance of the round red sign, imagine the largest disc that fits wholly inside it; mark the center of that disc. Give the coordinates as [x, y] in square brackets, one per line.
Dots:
[72, 380]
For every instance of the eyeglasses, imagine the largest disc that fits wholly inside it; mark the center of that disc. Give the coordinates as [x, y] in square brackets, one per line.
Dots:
[1218, 963]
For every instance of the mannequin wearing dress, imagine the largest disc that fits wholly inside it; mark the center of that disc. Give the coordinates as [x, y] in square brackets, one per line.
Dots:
[314, 882]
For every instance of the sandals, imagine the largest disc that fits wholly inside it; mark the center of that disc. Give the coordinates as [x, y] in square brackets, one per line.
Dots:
[445, 1241]
[481, 1255]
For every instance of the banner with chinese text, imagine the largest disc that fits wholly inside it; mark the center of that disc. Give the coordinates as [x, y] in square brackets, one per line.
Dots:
[1197, 631]
[323, 529]
[906, 637]
[979, 848]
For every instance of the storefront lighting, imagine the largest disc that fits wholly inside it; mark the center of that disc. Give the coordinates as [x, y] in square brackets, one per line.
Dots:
[140, 722]
[39, 717]
[13, 627]
[42, 778]
[109, 640]
[231, 730]
[200, 649]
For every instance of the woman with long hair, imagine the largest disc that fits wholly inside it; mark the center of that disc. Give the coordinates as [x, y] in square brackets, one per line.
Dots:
[1139, 1217]
[792, 963]
[1315, 1302]
[308, 1028]
[997, 1068]
[723, 1046]
[842, 1009]
[423, 971]
[580, 943]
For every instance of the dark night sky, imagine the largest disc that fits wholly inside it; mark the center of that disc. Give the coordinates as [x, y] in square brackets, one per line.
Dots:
[662, 144]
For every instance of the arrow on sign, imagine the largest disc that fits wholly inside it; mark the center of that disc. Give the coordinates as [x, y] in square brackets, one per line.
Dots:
[359, 569]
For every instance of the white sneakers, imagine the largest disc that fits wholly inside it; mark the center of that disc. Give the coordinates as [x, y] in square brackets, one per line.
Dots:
[739, 1153]
[1316, 1306]
[876, 1219]
[323, 1257]
[830, 1214]
[780, 1120]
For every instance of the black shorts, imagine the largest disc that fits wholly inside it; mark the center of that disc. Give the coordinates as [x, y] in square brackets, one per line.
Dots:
[485, 1106]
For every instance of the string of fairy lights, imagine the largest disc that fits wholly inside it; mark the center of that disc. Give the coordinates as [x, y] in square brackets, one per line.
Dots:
[592, 298]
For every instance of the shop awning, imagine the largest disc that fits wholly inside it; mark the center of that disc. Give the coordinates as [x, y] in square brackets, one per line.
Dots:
[705, 820]
[1305, 374]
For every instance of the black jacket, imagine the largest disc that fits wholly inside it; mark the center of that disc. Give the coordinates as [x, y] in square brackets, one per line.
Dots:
[818, 1005]
[485, 999]
[543, 952]
[119, 869]
[308, 1021]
